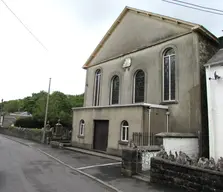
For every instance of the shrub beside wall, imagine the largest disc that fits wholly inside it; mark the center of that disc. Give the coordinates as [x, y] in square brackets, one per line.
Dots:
[188, 177]
[25, 133]
[29, 122]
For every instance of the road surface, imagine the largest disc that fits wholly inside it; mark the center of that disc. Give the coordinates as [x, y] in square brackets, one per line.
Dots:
[26, 166]
[24, 169]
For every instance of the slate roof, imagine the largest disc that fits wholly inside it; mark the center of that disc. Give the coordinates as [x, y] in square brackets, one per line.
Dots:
[216, 59]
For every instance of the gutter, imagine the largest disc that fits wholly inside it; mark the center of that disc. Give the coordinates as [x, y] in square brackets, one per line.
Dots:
[214, 63]
[124, 105]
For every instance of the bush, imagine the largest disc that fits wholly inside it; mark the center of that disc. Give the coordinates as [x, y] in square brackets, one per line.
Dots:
[29, 122]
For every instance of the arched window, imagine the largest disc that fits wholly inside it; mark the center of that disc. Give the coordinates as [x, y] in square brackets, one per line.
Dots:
[139, 86]
[169, 84]
[124, 131]
[97, 85]
[81, 128]
[114, 97]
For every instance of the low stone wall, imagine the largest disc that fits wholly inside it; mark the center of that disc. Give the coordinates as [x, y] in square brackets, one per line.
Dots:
[25, 133]
[188, 177]
[147, 152]
[130, 162]
[137, 160]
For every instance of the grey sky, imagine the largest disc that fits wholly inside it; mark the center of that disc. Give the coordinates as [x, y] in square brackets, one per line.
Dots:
[70, 29]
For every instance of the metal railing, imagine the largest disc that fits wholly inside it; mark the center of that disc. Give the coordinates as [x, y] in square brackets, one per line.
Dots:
[143, 139]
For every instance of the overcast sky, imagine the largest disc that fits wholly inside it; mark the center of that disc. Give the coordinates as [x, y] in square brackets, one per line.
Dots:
[70, 29]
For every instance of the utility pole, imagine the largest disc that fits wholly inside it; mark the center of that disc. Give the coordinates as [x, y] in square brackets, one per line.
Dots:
[46, 112]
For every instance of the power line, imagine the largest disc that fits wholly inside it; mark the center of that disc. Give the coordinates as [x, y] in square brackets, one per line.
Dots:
[24, 25]
[193, 7]
[199, 6]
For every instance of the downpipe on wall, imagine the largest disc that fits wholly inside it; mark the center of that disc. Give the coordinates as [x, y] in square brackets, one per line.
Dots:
[167, 121]
[149, 128]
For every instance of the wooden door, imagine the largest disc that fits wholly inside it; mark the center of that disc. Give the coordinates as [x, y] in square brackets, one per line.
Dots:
[100, 135]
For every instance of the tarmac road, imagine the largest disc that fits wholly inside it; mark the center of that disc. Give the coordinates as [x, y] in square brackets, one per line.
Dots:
[24, 169]
[25, 166]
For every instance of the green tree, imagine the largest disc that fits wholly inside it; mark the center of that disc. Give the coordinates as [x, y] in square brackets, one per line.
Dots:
[12, 106]
[60, 106]
[76, 100]
[38, 110]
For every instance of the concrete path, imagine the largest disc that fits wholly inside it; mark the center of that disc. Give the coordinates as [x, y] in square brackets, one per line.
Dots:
[103, 170]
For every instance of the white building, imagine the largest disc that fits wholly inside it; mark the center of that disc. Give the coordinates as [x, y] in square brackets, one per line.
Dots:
[214, 80]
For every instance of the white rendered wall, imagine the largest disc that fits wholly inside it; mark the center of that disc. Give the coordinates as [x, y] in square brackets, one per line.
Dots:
[186, 145]
[146, 159]
[215, 111]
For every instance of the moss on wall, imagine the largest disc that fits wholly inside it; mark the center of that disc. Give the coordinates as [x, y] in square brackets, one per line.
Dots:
[190, 178]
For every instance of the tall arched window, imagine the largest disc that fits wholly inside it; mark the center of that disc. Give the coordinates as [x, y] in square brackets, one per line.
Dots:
[81, 128]
[139, 86]
[124, 131]
[169, 79]
[97, 84]
[114, 97]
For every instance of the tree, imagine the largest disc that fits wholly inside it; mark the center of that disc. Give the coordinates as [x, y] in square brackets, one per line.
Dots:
[38, 109]
[76, 100]
[12, 106]
[60, 107]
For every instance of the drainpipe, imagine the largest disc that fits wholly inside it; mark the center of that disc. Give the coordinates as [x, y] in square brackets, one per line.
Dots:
[211, 123]
[167, 121]
[149, 128]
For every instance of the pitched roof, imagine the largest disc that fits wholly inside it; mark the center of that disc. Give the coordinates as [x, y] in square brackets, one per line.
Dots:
[217, 59]
[192, 26]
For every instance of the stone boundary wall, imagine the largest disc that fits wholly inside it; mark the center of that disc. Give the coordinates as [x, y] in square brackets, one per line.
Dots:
[24, 133]
[136, 160]
[187, 177]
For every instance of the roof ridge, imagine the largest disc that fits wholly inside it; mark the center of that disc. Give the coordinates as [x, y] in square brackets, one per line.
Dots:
[164, 16]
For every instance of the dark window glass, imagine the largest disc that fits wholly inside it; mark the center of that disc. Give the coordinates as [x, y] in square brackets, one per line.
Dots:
[172, 80]
[81, 128]
[166, 78]
[139, 86]
[115, 90]
[125, 123]
[125, 131]
[97, 87]
[169, 75]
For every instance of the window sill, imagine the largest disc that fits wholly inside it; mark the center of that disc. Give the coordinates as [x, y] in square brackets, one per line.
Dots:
[123, 142]
[168, 102]
[80, 136]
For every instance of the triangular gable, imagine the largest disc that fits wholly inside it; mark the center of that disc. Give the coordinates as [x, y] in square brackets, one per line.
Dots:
[127, 10]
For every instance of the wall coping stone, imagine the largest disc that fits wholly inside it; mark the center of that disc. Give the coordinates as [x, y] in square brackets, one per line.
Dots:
[149, 148]
[188, 166]
[124, 105]
[176, 135]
